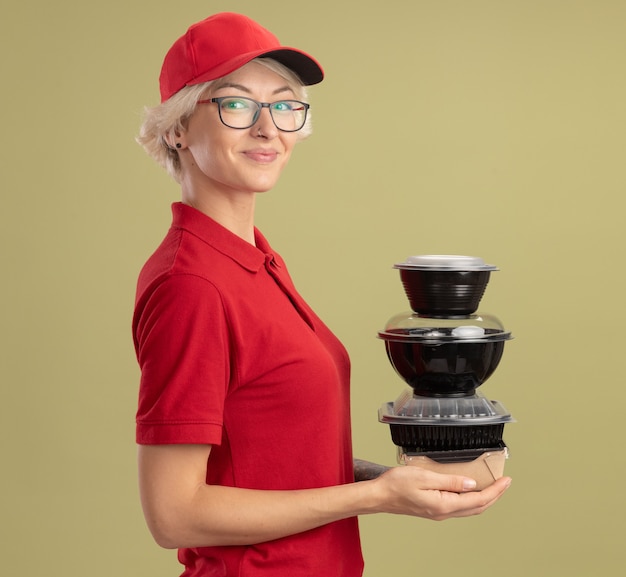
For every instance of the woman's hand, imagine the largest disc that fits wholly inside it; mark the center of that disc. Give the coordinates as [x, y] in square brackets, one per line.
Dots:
[410, 490]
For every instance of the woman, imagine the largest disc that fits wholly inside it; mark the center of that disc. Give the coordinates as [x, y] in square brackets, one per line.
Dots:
[245, 459]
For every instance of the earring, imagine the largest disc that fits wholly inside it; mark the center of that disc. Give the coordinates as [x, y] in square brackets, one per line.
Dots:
[179, 145]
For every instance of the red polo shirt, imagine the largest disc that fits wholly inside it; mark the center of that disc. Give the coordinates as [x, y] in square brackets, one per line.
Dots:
[232, 356]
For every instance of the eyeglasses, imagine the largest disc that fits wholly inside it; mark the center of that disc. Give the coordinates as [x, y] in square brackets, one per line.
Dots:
[240, 112]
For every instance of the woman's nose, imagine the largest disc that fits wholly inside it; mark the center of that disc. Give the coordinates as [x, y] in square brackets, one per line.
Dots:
[264, 126]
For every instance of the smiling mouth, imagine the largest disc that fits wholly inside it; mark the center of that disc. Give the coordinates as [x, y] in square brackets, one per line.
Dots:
[262, 156]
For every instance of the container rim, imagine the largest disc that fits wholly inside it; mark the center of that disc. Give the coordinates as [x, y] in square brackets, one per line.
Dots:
[445, 262]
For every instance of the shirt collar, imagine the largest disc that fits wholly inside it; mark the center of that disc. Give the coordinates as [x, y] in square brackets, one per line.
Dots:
[223, 240]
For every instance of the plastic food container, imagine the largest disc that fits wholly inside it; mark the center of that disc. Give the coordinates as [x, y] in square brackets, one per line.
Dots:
[450, 435]
[444, 284]
[444, 356]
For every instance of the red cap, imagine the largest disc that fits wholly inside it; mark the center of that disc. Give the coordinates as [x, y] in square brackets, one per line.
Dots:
[221, 44]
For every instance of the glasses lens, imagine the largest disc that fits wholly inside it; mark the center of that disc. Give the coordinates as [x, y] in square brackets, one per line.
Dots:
[289, 115]
[238, 112]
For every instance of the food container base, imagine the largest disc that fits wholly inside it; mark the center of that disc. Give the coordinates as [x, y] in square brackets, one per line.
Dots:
[485, 468]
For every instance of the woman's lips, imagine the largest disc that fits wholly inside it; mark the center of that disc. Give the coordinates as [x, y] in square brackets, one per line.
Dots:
[261, 155]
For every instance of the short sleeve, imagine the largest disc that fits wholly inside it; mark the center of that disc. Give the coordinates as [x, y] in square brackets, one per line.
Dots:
[181, 338]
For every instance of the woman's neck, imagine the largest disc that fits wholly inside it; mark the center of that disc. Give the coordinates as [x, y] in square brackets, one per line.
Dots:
[233, 210]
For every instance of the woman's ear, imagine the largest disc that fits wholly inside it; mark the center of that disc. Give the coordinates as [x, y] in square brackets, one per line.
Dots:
[176, 140]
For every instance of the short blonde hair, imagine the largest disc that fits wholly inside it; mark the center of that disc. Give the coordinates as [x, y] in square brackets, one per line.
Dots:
[162, 123]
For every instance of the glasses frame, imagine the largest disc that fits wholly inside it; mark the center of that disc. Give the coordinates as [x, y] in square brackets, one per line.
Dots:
[261, 106]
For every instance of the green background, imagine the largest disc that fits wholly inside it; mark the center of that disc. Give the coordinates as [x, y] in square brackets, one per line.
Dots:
[489, 127]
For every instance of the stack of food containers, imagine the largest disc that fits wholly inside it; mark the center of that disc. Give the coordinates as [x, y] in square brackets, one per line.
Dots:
[445, 350]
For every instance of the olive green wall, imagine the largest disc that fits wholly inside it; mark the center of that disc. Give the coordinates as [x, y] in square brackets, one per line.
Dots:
[486, 127]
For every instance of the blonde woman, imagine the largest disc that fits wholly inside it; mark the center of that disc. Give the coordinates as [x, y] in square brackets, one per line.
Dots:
[243, 424]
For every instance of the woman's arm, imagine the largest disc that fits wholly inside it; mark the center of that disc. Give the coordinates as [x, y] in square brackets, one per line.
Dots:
[183, 511]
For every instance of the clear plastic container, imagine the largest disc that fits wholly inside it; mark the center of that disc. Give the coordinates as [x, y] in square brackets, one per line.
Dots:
[413, 327]
[467, 410]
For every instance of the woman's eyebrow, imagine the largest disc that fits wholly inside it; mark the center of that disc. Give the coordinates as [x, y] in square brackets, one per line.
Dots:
[232, 85]
[243, 88]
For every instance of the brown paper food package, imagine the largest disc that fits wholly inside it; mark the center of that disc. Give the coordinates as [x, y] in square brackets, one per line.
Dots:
[484, 469]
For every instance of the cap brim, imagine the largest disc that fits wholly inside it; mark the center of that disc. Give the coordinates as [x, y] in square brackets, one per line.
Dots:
[306, 67]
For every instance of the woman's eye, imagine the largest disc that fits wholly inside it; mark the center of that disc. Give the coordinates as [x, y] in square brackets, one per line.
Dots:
[282, 106]
[235, 104]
